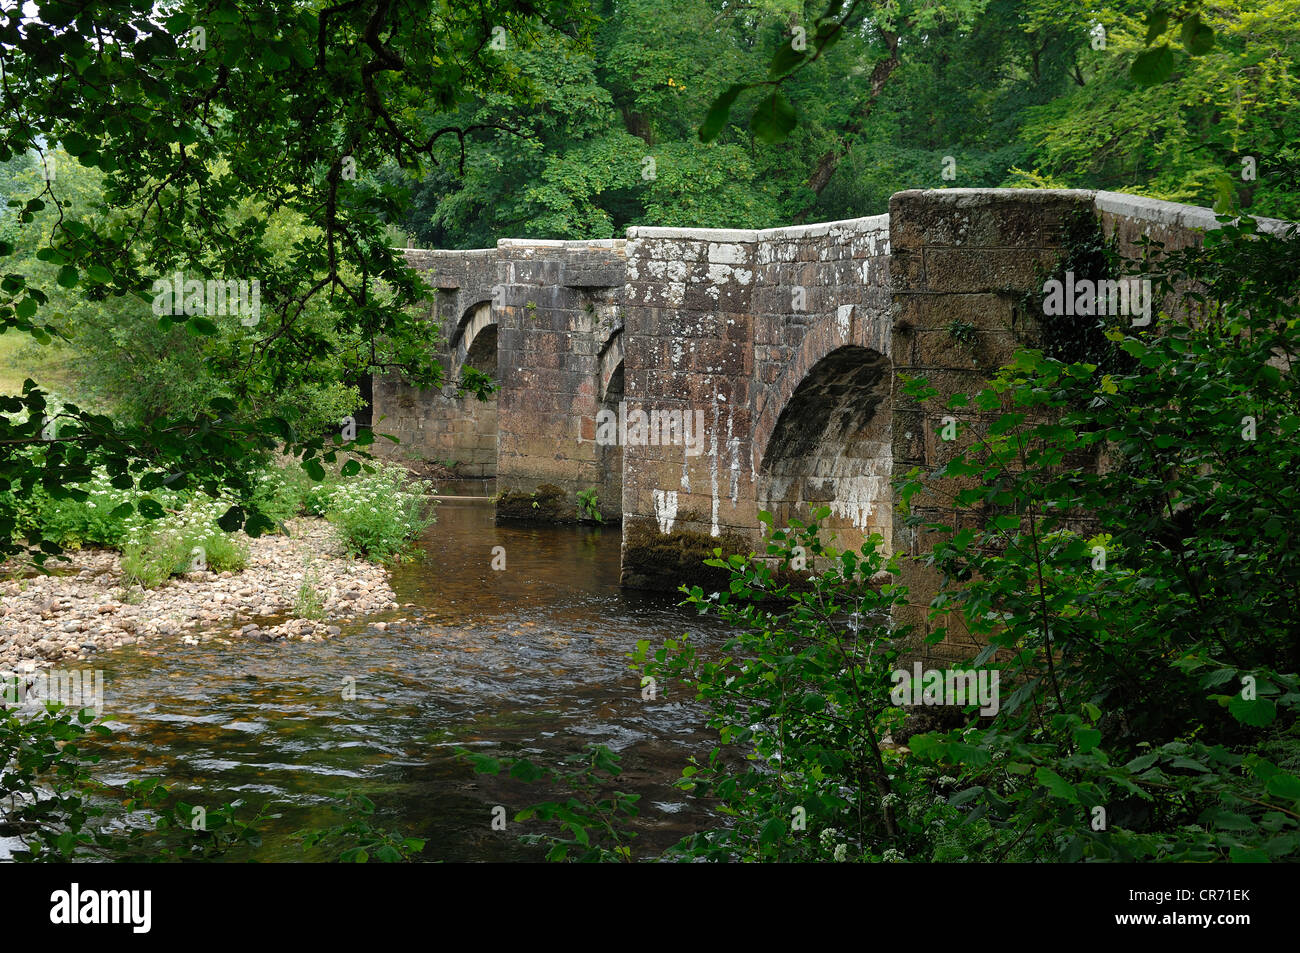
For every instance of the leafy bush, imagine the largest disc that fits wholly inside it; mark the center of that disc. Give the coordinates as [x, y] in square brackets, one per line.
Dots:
[377, 514]
[280, 493]
[1146, 604]
[183, 542]
[593, 821]
[800, 701]
[316, 499]
[94, 513]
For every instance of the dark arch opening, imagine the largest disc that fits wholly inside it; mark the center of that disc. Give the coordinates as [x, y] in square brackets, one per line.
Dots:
[609, 457]
[614, 390]
[471, 452]
[831, 446]
[482, 353]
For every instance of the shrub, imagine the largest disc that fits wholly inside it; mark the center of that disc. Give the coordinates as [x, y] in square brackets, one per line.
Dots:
[94, 513]
[377, 514]
[1145, 606]
[316, 497]
[280, 493]
[183, 542]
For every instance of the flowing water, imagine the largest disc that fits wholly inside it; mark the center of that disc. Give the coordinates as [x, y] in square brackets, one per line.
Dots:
[531, 660]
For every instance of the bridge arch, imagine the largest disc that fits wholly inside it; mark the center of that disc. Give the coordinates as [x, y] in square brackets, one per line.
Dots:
[831, 446]
[474, 339]
[462, 434]
[611, 368]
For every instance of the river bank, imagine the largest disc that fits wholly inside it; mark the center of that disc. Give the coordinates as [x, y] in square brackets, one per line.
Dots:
[83, 607]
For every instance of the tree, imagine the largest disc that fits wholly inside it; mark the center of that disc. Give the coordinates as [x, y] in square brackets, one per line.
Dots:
[206, 120]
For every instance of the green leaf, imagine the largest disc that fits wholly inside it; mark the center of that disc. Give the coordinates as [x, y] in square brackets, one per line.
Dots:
[772, 831]
[1087, 738]
[1257, 712]
[1157, 23]
[717, 115]
[67, 277]
[1247, 855]
[1284, 785]
[232, 519]
[1225, 194]
[314, 469]
[526, 771]
[786, 59]
[774, 119]
[1198, 39]
[76, 144]
[150, 508]
[1057, 784]
[1152, 67]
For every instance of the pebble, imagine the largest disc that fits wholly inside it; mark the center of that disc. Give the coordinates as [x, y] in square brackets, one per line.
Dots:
[84, 608]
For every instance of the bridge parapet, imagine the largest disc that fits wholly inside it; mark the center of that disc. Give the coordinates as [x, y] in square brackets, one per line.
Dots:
[753, 369]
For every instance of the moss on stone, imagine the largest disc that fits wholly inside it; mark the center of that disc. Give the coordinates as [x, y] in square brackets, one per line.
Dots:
[546, 504]
[655, 560]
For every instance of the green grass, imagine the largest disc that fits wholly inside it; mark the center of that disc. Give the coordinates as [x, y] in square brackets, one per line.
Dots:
[51, 366]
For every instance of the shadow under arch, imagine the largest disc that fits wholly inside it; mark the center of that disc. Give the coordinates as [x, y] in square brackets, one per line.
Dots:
[832, 446]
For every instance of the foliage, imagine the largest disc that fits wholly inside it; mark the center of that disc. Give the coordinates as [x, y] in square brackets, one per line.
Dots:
[378, 514]
[309, 603]
[94, 513]
[1015, 93]
[357, 840]
[281, 493]
[182, 542]
[589, 506]
[1133, 567]
[159, 102]
[799, 700]
[593, 821]
[1222, 129]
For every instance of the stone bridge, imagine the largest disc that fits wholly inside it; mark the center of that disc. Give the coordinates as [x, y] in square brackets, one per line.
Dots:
[786, 343]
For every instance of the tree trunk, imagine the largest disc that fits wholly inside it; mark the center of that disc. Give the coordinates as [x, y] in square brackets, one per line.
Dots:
[829, 162]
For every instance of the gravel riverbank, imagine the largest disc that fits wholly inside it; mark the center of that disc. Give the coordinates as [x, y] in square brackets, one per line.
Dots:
[47, 620]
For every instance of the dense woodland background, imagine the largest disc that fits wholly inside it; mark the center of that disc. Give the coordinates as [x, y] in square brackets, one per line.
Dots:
[1013, 90]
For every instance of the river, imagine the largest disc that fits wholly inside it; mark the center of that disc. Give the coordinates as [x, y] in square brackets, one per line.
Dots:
[527, 660]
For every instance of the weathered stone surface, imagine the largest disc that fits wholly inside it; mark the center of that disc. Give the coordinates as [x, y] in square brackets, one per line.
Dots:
[775, 351]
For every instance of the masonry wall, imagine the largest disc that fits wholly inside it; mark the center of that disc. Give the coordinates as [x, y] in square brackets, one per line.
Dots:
[434, 425]
[723, 327]
[958, 256]
[537, 316]
[970, 256]
[822, 380]
[779, 349]
[558, 305]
